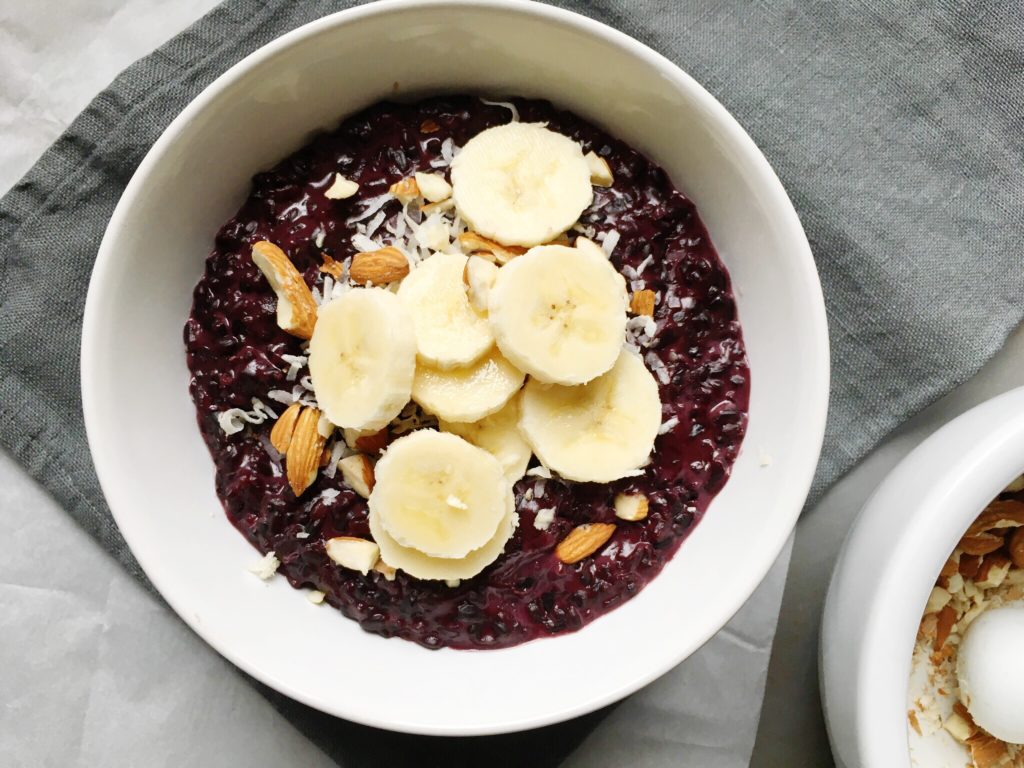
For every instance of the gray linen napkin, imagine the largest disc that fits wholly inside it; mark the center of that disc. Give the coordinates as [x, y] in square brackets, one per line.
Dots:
[895, 126]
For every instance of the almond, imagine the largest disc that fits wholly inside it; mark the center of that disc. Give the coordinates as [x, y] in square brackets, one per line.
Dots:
[350, 552]
[331, 267]
[304, 451]
[969, 565]
[379, 267]
[937, 600]
[950, 566]
[583, 541]
[433, 187]
[1005, 513]
[385, 570]
[429, 126]
[993, 570]
[631, 506]
[980, 543]
[341, 189]
[367, 442]
[986, 751]
[472, 242]
[600, 171]
[296, 310]
[642, 303]
[357, 472]
[443, 205]
[405, 190]
[960, 726]
[947, 618]
[1016, 547]
[281, 433]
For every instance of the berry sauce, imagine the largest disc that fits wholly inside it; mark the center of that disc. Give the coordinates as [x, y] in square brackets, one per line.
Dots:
[235, 349]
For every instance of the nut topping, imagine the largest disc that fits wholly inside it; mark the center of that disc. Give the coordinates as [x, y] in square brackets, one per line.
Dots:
[281, 433]
[304, 450]
[472, 242]
[583, 541]
[379, 267]
[296, 310]
[642, 303]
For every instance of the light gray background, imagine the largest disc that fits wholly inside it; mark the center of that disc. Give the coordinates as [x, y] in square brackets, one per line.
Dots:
[94, 671]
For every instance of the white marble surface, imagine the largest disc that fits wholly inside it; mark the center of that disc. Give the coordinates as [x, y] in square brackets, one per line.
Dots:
[95, 671]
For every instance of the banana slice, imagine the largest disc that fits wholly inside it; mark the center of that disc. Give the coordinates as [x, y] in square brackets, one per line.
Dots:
[438, 494]
[449, 332]
[421, 566]
[559, 313]
[469, 393]
[499, 435]
[597, 432]
[362, 358]
[520, 183]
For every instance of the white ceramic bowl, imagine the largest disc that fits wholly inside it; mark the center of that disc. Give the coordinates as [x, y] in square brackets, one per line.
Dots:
[888, 566]
[157, 474]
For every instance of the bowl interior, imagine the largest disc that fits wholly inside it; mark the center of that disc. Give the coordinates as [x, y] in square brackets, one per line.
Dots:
[158, 476]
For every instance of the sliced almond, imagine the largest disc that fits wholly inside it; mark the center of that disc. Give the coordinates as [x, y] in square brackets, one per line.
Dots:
[472, 242]
[357, 471]
[379, 267]
[980, 543]
[986, 750]
[937, 600]
[349, 552]
[296, 310]
[583, 541]
[969, 565]
[429, 126]
[405, 190]
[993, 571]
[947, 618]
[950, 566]
[331, 267]
[600, 171]
[281, 432]
[631, 506]
[341, 189]
[1016, 547]
[433, 187]
[1001, 514]
[959, 728]
[642, 303]
[385, 570]
[304, 450]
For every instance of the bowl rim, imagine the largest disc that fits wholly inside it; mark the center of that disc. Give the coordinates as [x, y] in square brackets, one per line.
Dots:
[791, 499]
[872, 610]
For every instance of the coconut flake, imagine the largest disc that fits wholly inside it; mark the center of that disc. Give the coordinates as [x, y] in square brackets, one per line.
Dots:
[538, 488]
[539, 471]
[506, 104]
[319, 239]
[644, 264]
[668, 425]
[281, 396]
[658, 367]
[295, 364]
[543, 519]
[610, 240]
[373, 205]
[266, 566]
[329, 494]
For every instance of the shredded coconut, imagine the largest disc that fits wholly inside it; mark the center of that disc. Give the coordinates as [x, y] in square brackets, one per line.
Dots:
[339, 451]
[329, 494]
[668, 425]
[302, 535]
[266, 566]
[610, 240]
[658, 367]
[373, 205]
[538, 488]
[644, 264]
[319, 239]
[507, 105]
[539, 471]
[234, 420]
[281, 396]
[544, 518]
[295, 364]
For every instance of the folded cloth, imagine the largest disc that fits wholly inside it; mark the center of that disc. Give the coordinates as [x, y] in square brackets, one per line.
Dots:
[896, 129]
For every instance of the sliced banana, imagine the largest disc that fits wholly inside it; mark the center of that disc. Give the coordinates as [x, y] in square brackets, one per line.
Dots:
[521, 183]
[559, 313]
[468, 393]
[449, 332]
[421, 566]
[499, 435]
[438, 494]
[597, 432]
[362, 358]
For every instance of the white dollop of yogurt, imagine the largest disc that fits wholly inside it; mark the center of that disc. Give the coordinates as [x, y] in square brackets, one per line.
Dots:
[990, 667]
